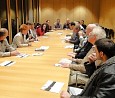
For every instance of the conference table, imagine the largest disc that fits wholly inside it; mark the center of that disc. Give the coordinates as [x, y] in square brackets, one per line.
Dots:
[26, 76]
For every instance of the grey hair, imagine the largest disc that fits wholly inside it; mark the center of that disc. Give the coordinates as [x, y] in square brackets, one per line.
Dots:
[98, 32]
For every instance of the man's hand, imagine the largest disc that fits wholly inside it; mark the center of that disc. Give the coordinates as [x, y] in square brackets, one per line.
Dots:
[92, 58]
[64, 94]
[67, 40]
[72, 54]
[29, 44]
[14, 53]
[65, 65]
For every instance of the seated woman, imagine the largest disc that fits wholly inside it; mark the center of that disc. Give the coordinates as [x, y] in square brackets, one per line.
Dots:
[20, 38]
[41, 30]
[5, 48]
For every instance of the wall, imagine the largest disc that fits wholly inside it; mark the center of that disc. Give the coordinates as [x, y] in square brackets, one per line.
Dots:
[87, 10]
[107, 13]
[3, 9]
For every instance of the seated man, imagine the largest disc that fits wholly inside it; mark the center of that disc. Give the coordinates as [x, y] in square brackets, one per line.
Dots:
[31, 35]
[5, 48]
[82, 23]
[20, 38]
[75, 38]
[66, 25]
[57, 25]
[102, 81]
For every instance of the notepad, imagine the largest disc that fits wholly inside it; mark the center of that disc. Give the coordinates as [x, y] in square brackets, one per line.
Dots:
[60, 33]
[7, 63]
[74, 90]
[57, 65]
[37, 54]
[69, 46]
[36, 41]
[45, 36]
[22, 55]
[42, 48]
[67, 37]
[52, 86]
[65, 60]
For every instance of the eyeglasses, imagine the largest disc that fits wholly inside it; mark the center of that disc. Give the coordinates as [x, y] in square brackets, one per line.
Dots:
[93, 47]
[90, 36]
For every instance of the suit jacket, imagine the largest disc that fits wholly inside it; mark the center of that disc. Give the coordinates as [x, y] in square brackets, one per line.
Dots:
[75, 40]
[5, 48]
[80, 67]
[57, 26]
[19, 40]
[84, 50]
[102, 83]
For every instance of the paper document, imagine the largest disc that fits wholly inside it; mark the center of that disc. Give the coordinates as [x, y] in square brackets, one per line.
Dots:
[70, 46]
[67, 37]
[53, 86]
[74, 90]
[42, 48]
[45, 36]
[60, 33]
[65, 60]
[7, 63]
[57, 64]
[37, 54]
[36, 41]
[22, 55]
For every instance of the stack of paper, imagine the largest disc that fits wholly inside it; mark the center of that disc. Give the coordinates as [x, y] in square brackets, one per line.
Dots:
[65, 60]
[7, 63]
[69, 46]
[22, 55]
[37, 54]
[42, 48]
[60, 33]
[52, 86]
[74, 90]
[67, 37]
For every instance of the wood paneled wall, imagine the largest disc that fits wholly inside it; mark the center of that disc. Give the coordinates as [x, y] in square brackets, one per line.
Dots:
[87, 10]
[107, 13]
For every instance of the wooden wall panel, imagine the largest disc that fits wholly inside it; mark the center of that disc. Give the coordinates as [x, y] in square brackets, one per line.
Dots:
[69, 9]
[107, 13]
[62, 10]
[83, 10]
[56, 8]
[95, 11]
[75, 10]
[46, 10]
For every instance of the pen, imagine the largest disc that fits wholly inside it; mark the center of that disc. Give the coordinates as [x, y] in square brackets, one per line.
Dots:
[9, 63]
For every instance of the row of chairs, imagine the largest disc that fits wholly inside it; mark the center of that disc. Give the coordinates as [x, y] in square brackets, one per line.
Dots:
[109, 32]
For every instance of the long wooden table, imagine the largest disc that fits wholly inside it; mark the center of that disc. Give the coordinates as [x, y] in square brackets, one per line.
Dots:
[25, 78]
